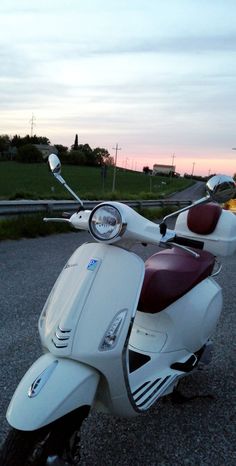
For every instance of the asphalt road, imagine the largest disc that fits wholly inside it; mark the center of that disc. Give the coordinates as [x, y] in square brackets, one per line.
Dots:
[199, 432]
[192, 193]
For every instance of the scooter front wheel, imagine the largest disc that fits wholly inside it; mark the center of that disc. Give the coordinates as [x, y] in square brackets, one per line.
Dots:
[54, 444]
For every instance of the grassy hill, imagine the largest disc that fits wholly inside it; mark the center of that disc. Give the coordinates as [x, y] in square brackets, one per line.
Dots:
[34, 181]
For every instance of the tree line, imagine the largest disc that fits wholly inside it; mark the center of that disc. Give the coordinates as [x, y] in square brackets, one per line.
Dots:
[29, 149]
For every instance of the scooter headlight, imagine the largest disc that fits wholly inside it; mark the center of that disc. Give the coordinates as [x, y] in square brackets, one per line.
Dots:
[105, 223]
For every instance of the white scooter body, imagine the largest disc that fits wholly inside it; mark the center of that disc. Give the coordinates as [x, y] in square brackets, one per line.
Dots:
[79, 311]
[100, 349]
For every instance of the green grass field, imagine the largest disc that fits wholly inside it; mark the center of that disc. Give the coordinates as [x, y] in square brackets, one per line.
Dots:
[34, 181]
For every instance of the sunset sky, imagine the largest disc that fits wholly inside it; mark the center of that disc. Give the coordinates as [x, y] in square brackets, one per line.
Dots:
[158, 77]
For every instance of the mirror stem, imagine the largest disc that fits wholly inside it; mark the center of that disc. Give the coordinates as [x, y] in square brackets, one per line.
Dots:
[62, 181]
[203, 200]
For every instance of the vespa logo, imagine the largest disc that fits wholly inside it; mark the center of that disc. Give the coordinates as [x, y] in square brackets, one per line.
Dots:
[92, 265]
[41, 380]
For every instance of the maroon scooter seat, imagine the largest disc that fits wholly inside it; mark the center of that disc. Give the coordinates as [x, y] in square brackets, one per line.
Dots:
[169, 274]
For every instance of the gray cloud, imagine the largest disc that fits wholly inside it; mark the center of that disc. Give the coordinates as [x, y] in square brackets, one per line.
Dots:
[176, 45]
[17, 94]
[168, 45]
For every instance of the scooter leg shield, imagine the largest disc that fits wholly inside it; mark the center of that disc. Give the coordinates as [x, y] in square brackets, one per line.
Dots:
[51, 388]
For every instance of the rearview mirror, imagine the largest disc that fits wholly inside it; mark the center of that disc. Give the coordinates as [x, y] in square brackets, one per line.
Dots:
[55, 167]
[221, 188]
[54, 164]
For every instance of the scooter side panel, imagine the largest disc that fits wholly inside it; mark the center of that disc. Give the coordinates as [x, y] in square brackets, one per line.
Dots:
[186, 324]
[198, 311]
[51, 388]
[172, 336]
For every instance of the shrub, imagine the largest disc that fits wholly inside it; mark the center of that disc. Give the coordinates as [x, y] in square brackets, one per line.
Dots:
[28, 154]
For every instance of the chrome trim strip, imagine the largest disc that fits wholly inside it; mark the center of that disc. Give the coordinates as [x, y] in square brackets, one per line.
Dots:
[219, 265]
[58, 345]
[61, 337]
[125, 366]
[125, 353]
[41, 380]
[63, 330]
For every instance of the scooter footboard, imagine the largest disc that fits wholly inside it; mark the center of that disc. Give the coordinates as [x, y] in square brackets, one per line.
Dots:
[51, 388]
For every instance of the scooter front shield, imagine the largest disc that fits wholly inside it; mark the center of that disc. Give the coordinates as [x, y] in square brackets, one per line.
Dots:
[97, 291]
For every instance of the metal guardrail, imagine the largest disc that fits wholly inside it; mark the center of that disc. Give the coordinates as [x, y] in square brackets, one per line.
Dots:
[8, 208]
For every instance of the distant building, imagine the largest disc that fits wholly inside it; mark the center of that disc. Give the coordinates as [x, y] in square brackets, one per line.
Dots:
[46, 150]
[166, 170]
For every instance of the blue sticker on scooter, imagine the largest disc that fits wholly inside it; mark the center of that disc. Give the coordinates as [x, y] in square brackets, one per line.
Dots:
[92, 264]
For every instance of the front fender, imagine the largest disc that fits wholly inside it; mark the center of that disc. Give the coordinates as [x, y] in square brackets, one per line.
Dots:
[51, 388]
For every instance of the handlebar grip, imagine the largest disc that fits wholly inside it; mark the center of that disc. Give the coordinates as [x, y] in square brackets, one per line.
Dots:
[46, 219]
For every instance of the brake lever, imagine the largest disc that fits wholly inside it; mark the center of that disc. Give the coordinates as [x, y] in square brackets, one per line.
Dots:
[190, 251]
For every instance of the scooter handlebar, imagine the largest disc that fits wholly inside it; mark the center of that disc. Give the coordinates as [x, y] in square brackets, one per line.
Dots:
[56, 220]
[79, 220]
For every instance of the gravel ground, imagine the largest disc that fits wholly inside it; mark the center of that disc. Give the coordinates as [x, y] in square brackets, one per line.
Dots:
[199, 432]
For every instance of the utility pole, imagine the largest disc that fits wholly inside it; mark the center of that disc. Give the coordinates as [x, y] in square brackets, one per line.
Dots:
[114, 171]
[32, 121]
[150, 179]
[173, 158]
[193, 168]
[172, 163]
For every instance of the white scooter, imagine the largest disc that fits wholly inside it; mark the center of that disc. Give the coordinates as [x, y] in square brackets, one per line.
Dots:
[117, 333]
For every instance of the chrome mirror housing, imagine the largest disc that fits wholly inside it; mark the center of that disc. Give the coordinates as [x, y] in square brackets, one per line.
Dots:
[221, 188]
[55, 167]
[54, 164]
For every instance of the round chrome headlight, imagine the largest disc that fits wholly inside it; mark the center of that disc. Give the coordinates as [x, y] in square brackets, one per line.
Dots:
[106, 223]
